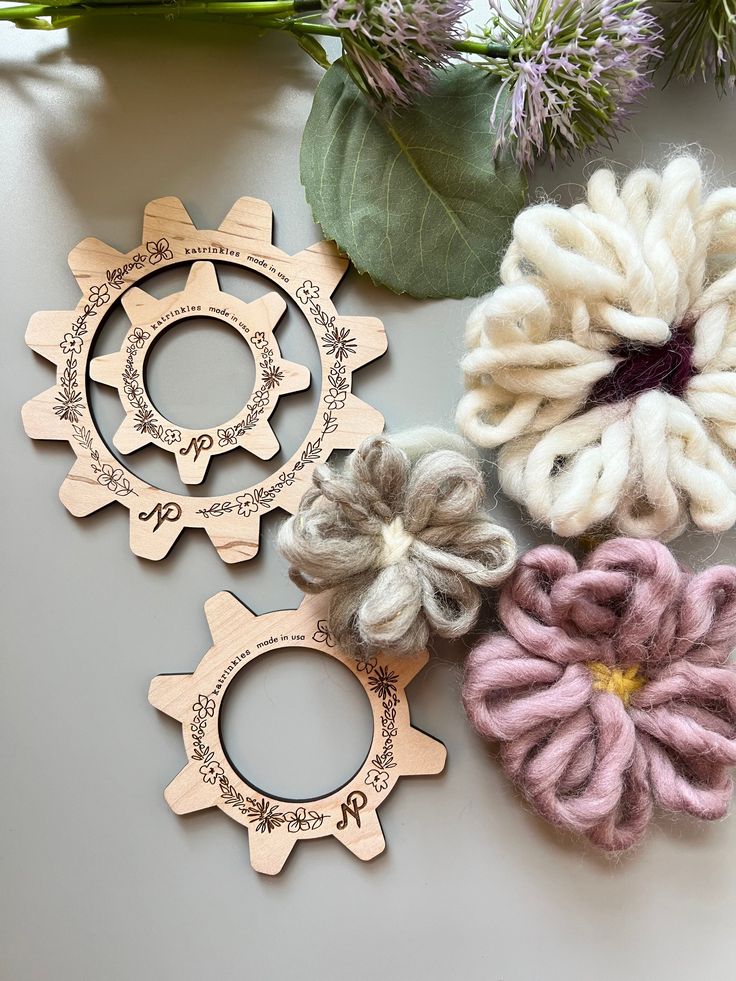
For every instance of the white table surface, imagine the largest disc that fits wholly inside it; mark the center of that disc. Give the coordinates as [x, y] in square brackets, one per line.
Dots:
[100, 880]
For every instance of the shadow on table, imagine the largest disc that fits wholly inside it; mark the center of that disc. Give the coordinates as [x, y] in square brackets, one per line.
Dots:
[160, 104]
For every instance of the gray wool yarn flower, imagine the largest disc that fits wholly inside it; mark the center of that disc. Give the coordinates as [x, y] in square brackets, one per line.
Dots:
[402, 539]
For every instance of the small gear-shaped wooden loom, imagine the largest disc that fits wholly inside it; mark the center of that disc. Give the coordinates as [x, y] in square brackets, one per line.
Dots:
[157, 517]
[210, 780]
[194, 448]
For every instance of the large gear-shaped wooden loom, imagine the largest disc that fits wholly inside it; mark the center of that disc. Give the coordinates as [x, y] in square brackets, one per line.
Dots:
[274, 825]
[104, 275]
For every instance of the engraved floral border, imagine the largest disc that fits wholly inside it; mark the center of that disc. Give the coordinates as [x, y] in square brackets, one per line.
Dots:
[338, 343]
[263, 814]
[383, 682]
[147, 422]
[70, 406]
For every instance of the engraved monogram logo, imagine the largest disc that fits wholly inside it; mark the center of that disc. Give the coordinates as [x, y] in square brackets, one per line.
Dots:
[197, 445]
[163, 512]
[352, 806]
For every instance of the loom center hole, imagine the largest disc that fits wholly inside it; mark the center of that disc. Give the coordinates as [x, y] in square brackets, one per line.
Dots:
[199, 373]
[296, 724]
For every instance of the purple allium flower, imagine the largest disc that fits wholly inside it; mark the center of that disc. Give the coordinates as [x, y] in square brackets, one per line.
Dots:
[576, 68]
[702, 41]
[392, 47]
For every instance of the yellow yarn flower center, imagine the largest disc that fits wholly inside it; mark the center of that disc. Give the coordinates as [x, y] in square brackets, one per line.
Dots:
[615, 680]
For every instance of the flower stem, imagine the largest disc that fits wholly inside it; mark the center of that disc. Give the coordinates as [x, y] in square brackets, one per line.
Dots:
[297, 26]
[491, 49]
[26, 11]
[262, 13]
[248, 8]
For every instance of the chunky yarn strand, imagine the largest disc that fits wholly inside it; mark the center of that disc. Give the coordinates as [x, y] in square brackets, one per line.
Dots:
[604, 365]
[402, 540]
[611, 690]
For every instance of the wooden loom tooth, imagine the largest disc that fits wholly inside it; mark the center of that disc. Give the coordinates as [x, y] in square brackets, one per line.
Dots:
[424, 754]
[140, 306]
[192, 468]
[106, 369]
[227, 618]
[234, 541]
[325, 263]
[171, 694]
[364, 421]
[155, 529]
[44, 330]
[371, 338]
[82, 495]
[188, 793]
[128, 439]
[90, 260]
[39, 419]
[365, 842]
[166, 218]
[268, 855]
[249, 218]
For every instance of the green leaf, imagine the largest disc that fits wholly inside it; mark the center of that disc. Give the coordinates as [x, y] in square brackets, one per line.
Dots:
[414, 199]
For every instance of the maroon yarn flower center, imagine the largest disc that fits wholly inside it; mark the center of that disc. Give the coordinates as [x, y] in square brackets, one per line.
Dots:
[643, 367]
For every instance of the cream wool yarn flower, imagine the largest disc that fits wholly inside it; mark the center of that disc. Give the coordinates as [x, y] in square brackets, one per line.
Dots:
[402, 539]
[603, 366]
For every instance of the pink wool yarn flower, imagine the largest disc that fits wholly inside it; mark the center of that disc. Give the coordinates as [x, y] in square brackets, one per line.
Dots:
[612, 690]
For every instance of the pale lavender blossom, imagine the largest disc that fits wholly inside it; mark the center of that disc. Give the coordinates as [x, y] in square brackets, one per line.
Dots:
[575, 70]
[393, 47]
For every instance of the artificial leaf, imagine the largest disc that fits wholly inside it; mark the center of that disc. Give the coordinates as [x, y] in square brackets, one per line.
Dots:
[415, 199]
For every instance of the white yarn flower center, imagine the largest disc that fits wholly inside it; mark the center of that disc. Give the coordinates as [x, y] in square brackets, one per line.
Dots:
[396, 542]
